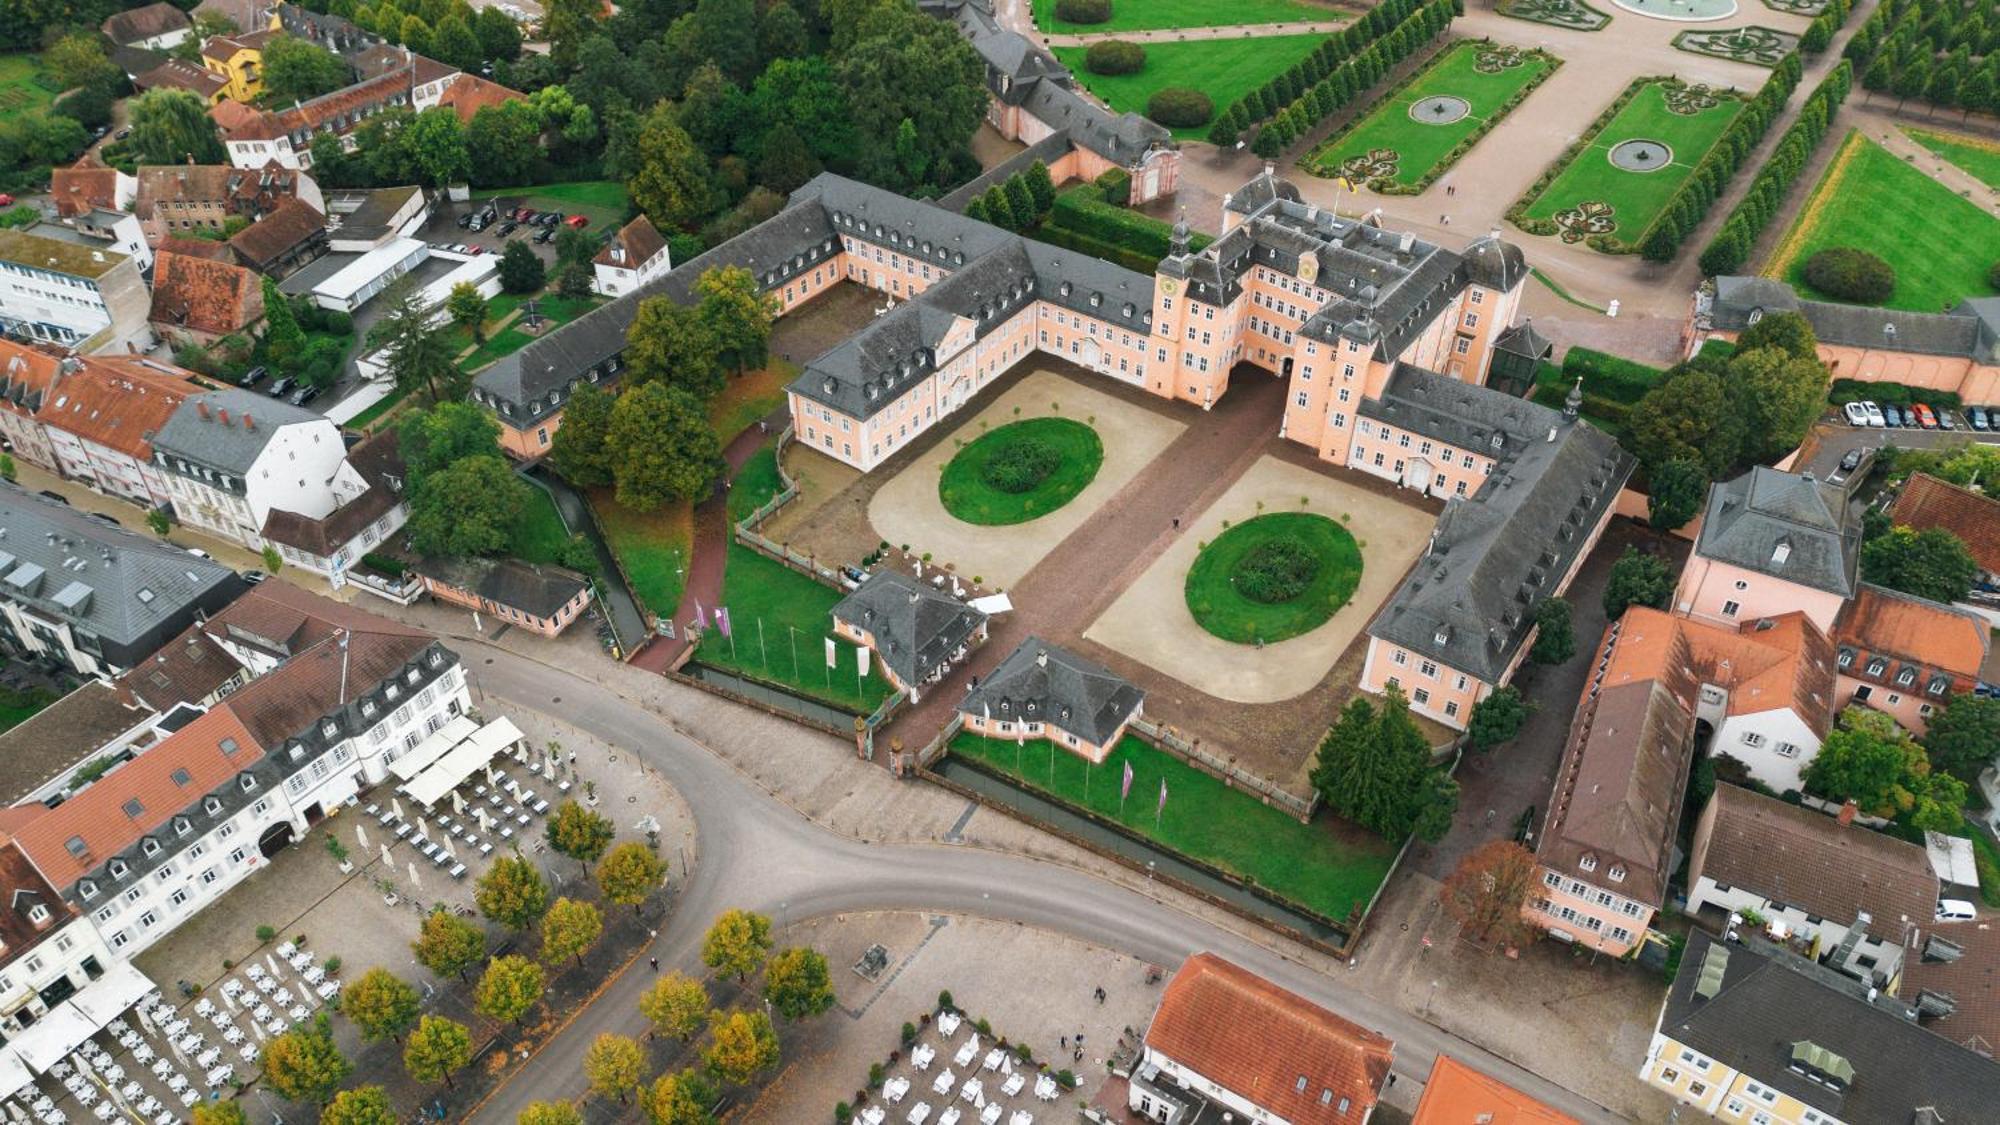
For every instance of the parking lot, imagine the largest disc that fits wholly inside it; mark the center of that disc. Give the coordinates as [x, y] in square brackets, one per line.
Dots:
[1835, 438]
[600, 221]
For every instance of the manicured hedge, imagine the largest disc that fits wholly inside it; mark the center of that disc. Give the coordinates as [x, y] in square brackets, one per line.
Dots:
[1711, 177]
[1944, 52]
[1178, 107]
[1115, 56]
[1732, 245]
[1083, 11]
[1819, 33]
[1083, 211]
[1613, 377]
[1851, 274]
[1895, 394]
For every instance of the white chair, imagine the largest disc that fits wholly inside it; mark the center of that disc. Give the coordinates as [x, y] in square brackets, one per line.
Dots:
[190, 1096]
[943, 1083]
[286, 949]
[204, 1007]
[103, 1111]
[1013, 1084]
[949, 1116]
[177, 1082]
[143, 1053]
[299, 1013]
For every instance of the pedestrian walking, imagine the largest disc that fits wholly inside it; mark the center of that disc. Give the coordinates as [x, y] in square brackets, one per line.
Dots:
[572, 757]
[1065, 1042]
[1177, 523]
[655, 961]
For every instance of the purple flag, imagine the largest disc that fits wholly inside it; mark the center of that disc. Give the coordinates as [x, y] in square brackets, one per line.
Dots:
[722, 619]
[1125, 789]
[1161, 807]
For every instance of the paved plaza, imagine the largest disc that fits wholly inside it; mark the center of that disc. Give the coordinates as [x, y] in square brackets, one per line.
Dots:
[1150, 621]
[906, 508]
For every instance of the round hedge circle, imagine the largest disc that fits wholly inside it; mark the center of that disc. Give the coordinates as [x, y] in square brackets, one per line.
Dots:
[1273, 577]
[1083, 11]
[1849, 274]
[1178, 107]
[1020, 471]
[1115, 56]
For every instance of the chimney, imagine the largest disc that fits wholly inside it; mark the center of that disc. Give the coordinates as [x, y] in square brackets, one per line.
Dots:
[1042, 658]
[249, 423]
[201, 408]
[222, 414]
[1847, 812]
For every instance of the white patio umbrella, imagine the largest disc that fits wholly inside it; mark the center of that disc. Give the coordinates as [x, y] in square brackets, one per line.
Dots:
[396, 806]
[388, 858]
[549, 769]
[360, 836]
[416, 880]
[448, 849]
[457, 803]
[485, 822]
[422, 833]
[492, 775]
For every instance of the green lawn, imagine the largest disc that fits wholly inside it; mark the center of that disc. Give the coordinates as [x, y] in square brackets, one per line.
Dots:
[1309, 864]
[747, 397]
[1987, 857]
[652, 547]
[756, 483]
[780, 619]
[19, 92]
[1420, 148]
[1980, 158]
[1636, 198]
[555, 310]
[1940, 243]
[1224, 69]
[604, 201]
[540, 536]
[966, 492]
[1223, 609]
[1146, 15]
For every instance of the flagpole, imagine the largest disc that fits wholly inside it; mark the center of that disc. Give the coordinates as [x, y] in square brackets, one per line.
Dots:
[795, 648]
[762, 651]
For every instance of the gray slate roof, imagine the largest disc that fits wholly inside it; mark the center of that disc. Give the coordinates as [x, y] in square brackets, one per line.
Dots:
[539, 590]
[1970, 330]
[1039, 682]
[915, 627]
[1494, 557]
[104, 580]
[1786, 525]
[210, 429]
[1522, 340]
[1769, 1001]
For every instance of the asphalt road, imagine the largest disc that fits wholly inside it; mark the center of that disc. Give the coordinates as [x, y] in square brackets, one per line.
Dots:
[757, 853]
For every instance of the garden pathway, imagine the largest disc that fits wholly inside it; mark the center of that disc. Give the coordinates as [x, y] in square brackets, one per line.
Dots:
[1178, 34]
[1890, 135]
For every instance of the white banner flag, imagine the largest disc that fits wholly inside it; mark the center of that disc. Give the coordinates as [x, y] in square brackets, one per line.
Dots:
[831, 659]
[861, 655]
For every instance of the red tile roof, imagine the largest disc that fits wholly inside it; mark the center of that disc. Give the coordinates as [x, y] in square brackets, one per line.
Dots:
[638, 239]
[469, 93]
[118, 406]
[1928, 502]
[82, 187]
[26, 374]
[137, 797]
[239, 122]
[178, 74]
[196, 248]
[272, 236]
[1258, 1040]
[135, 24]
[202, 295]
[1456, 1094]
[187, 669]
[1906, 628]
[350, 104]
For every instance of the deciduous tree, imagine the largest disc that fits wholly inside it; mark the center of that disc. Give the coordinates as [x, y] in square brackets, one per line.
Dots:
[547, 1113]
[303, 1065]
[471, 507]
[1484, 894]
[499, 36]
[509, 989]
[1932, 563]
[575, 831]
[1964, 736]
[661, 447]
[437, 1048]
[434, 439]
[219, 1113]
[676, 1006]
[381, 1004]
[671, 182]
[297, 70]
[741, 1046]
[629, 873]
[681, 1098]
[1689, 415]
[512, 892]
[503, 143]
[171, 126]
[737, 943]
[615, 1066]
[1871, 761]
[798, 984]
[449, 945]
[521, 269]
[283, 338]
[737, 314]
[577, 450]
[435, 142]
[1498, 717]
[1781, 394]
[1677, 489]
[673, 344]
[1555, 636]
[1637, 578]
[467, 308]
[363, 1105]
[569, 929]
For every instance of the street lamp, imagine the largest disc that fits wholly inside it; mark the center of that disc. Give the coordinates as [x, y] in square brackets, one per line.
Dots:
[1428, 999]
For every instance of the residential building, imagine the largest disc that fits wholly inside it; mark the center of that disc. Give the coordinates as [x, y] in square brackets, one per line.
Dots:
[1042, 691]
[1955, 981]
[175, 199]
[467, 94]
[27, 374]
[70, 292]
[333, 695]
[285, 136]
[81, 595]
[635, 255]
[1856, 900]
[156, 27]
[537, 597]
[1927, 502]
[99, 419]
[202, 300]
[1752, 1033]
[1956, 351]
[1907, 656]
[239, 60]
[1456, 1094]
[48, 952]
[368, 507]
[231, 457]
[1771, 542]
[120, 229]
[360, 221]
[89, 185]
[1225, 1039]
[281, 240]
[915, 631]
[67, 733]
[178, 74]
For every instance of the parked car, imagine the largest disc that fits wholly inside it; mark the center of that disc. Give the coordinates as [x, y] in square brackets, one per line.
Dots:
[122, 134]
[1891, 416]
[546, 234]
[1977, 416]
[475, 251]
[254, 376]
[1874, 413]
[465, 220]
[1955, 910]
[304, 394]
[51, 494]
[1925, 417]
[577, 221]
[1945, 421]
[278, 389]
[1851, 461]
[252, 577]
[6, 200]
[522, 214]
[508, 226]
[197, 552]
[1856, 416]
[548, 218]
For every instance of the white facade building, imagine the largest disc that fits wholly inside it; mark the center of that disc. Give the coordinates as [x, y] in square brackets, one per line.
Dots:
[61, 291]
[232, 457]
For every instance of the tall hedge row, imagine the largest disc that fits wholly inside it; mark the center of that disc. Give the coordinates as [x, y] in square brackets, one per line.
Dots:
[1819, 33]
[1344, 64]
[1731, 246]
[1690, 204]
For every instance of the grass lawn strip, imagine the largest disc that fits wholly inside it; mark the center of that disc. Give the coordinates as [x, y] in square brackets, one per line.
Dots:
[540, 536]
[19, 92]
[966, 494]
[604, 202]
[1224, 69]
[1149, 15]
[1939, 243]
[652, 547]
[1309, 864]
[750, 396]
[556, 311]
[1636, 198]
[1423, 150]
[1220, 608]
[793, 615]
[1977, 157]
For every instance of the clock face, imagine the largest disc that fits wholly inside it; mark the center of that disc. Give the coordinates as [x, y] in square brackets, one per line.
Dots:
[1170, 287]
[1308, 268]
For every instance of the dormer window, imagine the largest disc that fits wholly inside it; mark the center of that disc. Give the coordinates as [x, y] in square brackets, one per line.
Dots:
[1617, 872]
[118, 869]
[1443, 636]
[181, 825]
[211, 806]
[246, 783]
[367, 708]
[413, 676]
[87, 889]
[330, 729]
[1877, 666]
[1780, 553]
[149, 846]
[1846, 657]
[38, 914]
[1588, 863]
[1906, 677]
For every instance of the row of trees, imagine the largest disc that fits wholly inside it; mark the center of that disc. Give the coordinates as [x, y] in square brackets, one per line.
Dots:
[1321, 99]
[517, 141]
[1711, 176]
[653, 441]
[1732, 245]
[1945, 52]
[1020, 203]
[1332, 58]
[1374, 768]
[1820, 32]
[450, 31]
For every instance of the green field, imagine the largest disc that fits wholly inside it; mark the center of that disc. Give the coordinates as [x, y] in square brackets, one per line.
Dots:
[1318, 866]
[1147, 15]
[555, 311]
[755, 483]
[1421, 148]
[1980, 158]
[540, 536]
[1224, 69]
[1636, 198]
[1222, 609]
[1940, 243]
[780, 619]
[19, 92]
[652, 547]
[605, 202]
[966, 493]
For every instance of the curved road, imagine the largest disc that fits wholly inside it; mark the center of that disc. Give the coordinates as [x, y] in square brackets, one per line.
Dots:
[758, 853]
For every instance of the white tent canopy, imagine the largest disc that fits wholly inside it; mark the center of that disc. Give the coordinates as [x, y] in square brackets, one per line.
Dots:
[14, 1074]
[76, 1019]
[993, 605]
[106, 998]
[433, 747]
[444, 775]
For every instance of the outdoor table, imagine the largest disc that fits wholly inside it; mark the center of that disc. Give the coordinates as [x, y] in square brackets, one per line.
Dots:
[562, 786]
[1045, 1088]
[949, 1116]
[922, 1056]
[1021, 1117]
[947, 1024]
[943, 1083]
[457, 871]
[991, 1114]
[994, 1058]
[133, 1091]
[485, 850]
[287, 950]
[190, 1096]
[968, 1052]
[894, 1091]
[403, 831]
[973, 1090]
[920, 1113]
[541, 807]
[873, 1115]
[103, 1111]
[1013, 1084]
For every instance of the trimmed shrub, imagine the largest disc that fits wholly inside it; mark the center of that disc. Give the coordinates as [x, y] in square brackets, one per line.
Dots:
[1020, 465]
[1117, 185]
[1115, 56]
[1850, 274]
[1178, 107]
[1993, 275]
[1277, 571]
[1083, 11]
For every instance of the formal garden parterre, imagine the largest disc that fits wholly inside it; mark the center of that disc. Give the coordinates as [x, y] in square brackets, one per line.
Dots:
[1428, 123]
[1022, 471]
[1758, 46]
[1273, 577]
[1574, 15]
